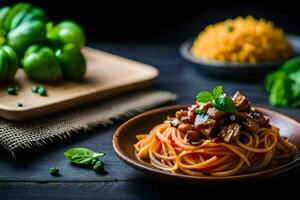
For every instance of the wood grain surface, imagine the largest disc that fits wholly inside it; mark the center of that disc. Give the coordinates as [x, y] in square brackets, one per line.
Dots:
[106, 75]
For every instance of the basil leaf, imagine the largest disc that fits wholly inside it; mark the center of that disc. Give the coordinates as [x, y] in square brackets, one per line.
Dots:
[295, 84]
[271, 77]
[82, 156]
[291, 65]
[225, 104]
[204, 97]
[281, 94]
[200, 112]
[217, 91]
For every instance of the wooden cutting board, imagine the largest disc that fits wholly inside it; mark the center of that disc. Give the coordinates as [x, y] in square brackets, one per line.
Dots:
[106, 75]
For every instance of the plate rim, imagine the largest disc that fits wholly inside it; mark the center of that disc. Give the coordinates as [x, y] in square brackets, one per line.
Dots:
[185, 47]
[143, 168]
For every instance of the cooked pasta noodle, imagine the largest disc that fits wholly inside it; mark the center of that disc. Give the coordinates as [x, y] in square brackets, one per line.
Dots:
[166, 150]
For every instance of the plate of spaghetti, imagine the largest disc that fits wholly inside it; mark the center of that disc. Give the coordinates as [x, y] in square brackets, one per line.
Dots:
[218, 138]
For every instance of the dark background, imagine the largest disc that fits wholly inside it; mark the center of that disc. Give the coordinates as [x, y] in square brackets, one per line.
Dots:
[151, 22]
[146, 21]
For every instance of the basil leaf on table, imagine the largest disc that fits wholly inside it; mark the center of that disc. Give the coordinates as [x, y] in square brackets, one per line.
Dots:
[280, 93]
[82, 156]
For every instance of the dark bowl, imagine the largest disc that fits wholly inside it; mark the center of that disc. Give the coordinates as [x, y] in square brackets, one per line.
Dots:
[234, 69]
[124, 139]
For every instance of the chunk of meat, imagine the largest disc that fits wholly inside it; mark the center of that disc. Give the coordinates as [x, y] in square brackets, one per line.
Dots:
[204, 106]
[250, 125]
[263, 120]
[184, 127]
[215, 113]
[182, 115]
[241, 102]
[175, 122]
[204, 124]
[192, 113]
[223, 121]
[194, 137]
[231, 132]
[241, 116]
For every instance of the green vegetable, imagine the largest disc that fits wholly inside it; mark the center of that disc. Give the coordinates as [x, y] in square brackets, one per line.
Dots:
[8, 63]
[200, 112]
[26, 34]
[40, 64]
[14, 13]
[291, 65]
[271, 77]
[229, 27]
[295, 84]
[35, 14]
[217, 91]
[23, 26]
[72, 62]
[20, 104]
[35, 89]
[2, 39]
[225, 103]
[219, 100]
[284, 85]
[98, 167]
[42, 91]
[3, 13]
[39, 90]
[82, 156]
[54, 171]
[204, 97]
[12, 90]
[64, 33]
[280, 92]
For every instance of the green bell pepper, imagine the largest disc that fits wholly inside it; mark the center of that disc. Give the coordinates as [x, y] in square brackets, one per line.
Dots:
[40, 64]
[26, 34]
[28, 15]
[8, 63]
[3, 14]
[10, 18]
[65, 32]
[21, 26]
[16, 12]
[72, 62]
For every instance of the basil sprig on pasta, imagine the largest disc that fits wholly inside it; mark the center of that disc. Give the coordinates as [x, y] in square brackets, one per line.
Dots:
[218, 99]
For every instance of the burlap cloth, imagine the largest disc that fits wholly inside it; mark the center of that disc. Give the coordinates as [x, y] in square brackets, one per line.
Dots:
[19, 137]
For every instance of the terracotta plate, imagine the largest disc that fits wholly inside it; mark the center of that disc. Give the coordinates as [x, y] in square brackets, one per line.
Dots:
[124, 139]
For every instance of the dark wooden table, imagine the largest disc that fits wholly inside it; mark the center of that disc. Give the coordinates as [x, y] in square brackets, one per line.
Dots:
[30, 178]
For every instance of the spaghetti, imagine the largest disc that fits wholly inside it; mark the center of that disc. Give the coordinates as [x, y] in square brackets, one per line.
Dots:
[180, 145]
